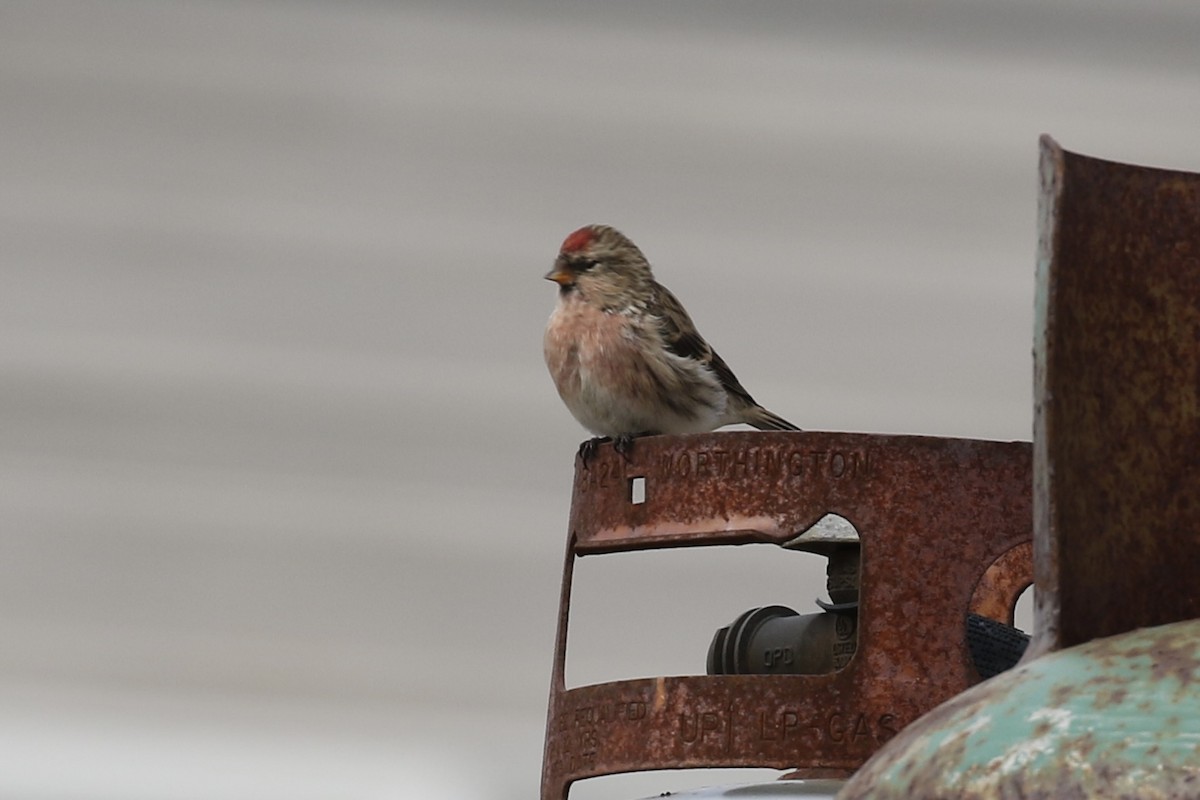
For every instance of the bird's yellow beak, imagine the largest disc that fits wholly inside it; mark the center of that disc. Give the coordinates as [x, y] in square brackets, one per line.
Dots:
[560, 275]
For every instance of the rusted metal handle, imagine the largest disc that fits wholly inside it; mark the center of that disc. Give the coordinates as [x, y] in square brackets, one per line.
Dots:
[934, 516]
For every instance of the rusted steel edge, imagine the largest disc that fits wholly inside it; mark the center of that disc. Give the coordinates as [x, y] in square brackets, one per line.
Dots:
[1047, 634]
[1001, 583]
[933, 514]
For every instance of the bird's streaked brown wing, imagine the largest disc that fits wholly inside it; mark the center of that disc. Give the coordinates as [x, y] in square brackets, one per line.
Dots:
[681, 338]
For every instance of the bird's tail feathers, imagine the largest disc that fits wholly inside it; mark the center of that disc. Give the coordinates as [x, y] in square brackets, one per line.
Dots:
[764, 420]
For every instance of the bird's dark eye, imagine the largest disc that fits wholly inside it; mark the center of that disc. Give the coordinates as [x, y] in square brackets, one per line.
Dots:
[583, 265]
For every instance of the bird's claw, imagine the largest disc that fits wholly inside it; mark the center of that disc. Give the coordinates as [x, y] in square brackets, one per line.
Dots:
[587, 449]
[623, 444]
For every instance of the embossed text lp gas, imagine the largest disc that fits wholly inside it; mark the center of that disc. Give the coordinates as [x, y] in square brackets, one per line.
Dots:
[945, 538]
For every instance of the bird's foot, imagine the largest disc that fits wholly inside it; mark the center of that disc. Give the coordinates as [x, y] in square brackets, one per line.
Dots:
[587, 449]
[623, 444]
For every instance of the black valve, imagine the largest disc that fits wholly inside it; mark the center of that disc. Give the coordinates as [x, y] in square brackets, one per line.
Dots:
[777, 640]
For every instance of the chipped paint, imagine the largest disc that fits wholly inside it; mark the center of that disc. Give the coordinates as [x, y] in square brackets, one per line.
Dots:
[1048, 735]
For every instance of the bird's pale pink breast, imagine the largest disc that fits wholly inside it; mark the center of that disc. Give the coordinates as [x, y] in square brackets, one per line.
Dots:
[616, 376]
[582, 337]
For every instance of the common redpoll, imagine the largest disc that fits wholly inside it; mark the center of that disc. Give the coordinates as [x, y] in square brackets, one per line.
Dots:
[624, 354]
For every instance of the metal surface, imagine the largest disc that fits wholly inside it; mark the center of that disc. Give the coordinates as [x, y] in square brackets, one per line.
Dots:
[1117, 391]
[923, 507]
[1117, 516]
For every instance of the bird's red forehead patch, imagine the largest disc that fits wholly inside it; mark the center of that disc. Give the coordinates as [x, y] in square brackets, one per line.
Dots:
[579, 240]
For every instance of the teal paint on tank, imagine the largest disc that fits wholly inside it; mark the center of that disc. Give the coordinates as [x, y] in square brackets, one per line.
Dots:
[1115, 717]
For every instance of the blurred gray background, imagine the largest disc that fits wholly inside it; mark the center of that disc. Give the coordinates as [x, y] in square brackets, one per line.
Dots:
[283, 482]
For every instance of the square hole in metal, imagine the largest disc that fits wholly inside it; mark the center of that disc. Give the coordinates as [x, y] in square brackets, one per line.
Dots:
[637, 491]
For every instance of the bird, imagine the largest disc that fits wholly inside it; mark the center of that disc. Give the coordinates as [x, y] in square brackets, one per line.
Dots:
[625, 356]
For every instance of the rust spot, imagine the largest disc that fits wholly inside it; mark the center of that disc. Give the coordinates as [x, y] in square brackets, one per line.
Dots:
[1110, 697]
